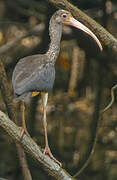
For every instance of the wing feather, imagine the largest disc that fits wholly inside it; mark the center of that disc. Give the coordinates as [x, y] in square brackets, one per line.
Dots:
[33, 73]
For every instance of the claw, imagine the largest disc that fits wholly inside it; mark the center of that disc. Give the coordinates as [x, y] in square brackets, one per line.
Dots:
[48, 152]
[24, 131]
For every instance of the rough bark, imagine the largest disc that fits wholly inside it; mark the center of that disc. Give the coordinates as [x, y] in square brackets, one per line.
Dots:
[33, 149]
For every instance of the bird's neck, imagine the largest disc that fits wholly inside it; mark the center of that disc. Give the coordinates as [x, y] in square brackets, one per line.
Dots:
[55, 32]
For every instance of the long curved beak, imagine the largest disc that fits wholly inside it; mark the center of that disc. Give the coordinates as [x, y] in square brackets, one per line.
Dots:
[73, 22]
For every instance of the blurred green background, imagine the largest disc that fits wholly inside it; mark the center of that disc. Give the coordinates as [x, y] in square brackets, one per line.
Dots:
[84, 77]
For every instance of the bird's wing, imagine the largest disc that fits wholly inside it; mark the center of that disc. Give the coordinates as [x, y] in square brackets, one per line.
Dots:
[32, 73]
[26, 66]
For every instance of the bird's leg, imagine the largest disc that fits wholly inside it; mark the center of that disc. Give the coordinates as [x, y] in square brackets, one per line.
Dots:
[23, 128]
[47, 149]
[44, 100]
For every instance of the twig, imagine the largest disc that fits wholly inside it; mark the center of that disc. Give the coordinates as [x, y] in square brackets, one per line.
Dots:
[91, 152]
[96, 119]
[112, 99]
[106, 38]
[33, 149]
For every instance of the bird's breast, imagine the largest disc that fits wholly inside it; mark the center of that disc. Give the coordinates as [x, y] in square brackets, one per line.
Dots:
[46, 78]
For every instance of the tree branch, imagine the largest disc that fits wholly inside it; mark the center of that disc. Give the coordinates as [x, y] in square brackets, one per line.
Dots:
[11, 109]
[33, 149]
[107, 39]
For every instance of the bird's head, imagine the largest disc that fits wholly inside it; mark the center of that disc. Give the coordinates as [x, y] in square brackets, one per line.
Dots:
[65, 17]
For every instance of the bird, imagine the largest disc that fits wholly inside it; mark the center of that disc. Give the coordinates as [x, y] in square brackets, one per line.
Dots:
[35, 74]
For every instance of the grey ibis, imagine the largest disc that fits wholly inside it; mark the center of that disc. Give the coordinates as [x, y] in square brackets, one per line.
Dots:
[36, 74]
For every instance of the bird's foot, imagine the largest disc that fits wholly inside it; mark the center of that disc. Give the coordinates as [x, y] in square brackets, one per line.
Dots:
[24, 131]
[48, 152]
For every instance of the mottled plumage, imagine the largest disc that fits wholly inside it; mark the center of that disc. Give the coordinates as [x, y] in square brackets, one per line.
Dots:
[36, 73]
[33, 73]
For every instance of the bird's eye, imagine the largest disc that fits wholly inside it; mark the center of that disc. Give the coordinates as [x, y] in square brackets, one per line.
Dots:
[64, 15]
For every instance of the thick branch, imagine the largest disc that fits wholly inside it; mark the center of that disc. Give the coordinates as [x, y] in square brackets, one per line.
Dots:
[107, 39]
[33, 149]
